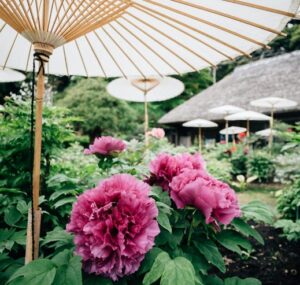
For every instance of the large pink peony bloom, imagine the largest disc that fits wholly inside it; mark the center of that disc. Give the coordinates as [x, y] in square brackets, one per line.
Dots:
[106, 146]
[114, 226]
[165, 167]
[215, 199]
[157, 133]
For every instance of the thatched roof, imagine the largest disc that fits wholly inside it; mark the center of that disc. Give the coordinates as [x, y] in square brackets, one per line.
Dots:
[277, 76]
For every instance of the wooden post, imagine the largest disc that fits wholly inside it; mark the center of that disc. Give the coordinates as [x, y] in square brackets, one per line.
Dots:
[146, 123]
[200, 139]
[32, 250]
[227, 136]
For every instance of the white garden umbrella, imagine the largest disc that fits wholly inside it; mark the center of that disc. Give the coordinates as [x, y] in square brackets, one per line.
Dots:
[273, 103]
[266, 133]
[233, 130]
[151, 89]
[200, 124]
[9, 75]
[226, 110]
[115, 38]
[248, 116]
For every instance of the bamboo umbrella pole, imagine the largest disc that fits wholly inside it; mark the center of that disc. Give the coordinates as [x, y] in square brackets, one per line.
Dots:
[146, 123]
[248, 128]
[271, 128]
[227, 136]
[200, 139]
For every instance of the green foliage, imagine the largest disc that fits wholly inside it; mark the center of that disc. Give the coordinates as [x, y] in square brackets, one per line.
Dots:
[102, 113]
[288, 203]
[259, 212]
[239, 164]
[262, 166]
[290, 229]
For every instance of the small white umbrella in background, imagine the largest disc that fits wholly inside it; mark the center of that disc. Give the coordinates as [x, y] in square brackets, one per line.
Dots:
[273, 103]
[248, 116]
[226, 110]
[151, 89]
[200, 124]
[10, 75]
[266, 133]
[233, 130]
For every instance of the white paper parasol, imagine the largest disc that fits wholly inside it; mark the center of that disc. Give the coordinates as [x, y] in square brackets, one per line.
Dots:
[248, 116]
[273, 103]
[266, 133]
[9, 75]
[151, 89]
[200, 124]
[233, 130]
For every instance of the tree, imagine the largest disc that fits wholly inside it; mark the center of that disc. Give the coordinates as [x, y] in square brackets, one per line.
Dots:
[101, 113]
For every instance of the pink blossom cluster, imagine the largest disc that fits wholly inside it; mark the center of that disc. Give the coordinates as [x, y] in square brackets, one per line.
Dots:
[158, 133]
[114, 226]
[186, 179]
[106, 146]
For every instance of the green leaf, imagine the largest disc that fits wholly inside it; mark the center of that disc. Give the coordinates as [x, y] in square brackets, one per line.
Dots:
[12, 216]
[37, 272]
[239, 281]
[247, 230]
[58, 238]
[233, 241]
[62, 202]
[96, 280]
[164, 221]
[213, 280]
[210, 251]
[157, 268]
[68, 268]
[149, 260]
[178, 271]
[258, 211]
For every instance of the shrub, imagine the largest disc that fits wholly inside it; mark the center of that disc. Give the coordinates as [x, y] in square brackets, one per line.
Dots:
[262, 166]
[239, 164]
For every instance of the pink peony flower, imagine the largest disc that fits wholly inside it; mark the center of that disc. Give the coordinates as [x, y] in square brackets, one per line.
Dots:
[157, 133]
[106, 146]
[215, 199]
[165, 166]
[114, 226]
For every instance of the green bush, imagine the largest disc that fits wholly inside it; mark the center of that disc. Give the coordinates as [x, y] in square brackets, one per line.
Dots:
[239, 164]
[262, 166]
[288, 203]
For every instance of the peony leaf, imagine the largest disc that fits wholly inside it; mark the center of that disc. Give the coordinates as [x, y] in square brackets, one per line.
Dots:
[247, 230]
[233, 241]
[239, 281]
[157, 269]
[37, 272]
[164, 221]
[149, 260]
[210, 251]
[178, 271]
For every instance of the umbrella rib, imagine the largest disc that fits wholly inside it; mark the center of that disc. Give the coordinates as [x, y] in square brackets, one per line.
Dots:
[145, 44]
[250, 23]
[31, 13]
[10, 50]
[26, 14]
[21, 16]
[66, 61]
[148, 11]
[87, 75]
[38, 15]
[137, 50]
[210, 24]
[96, 56]
[260, 7]
[124, 53]
[172, 39]
[28, 58]
[110, 54]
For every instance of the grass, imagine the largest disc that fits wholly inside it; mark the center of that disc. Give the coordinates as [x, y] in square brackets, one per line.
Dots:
[261, 192]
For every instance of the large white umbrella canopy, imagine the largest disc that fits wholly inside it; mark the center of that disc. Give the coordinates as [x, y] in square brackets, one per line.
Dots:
[200, 124]
[9, 75]
[139, 37]
[156, 89]
[233, 130]
[248, 116]
[151, 89]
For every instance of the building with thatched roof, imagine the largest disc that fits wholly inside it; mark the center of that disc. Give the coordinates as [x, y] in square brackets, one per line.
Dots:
[277, 76]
